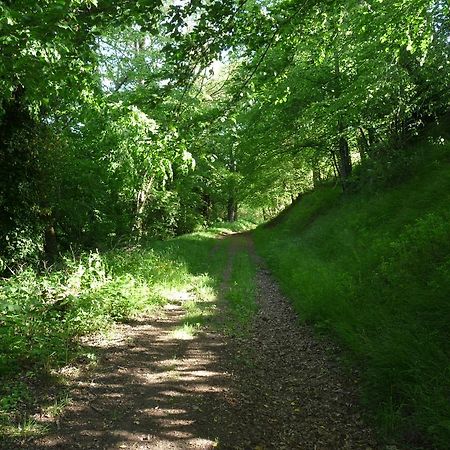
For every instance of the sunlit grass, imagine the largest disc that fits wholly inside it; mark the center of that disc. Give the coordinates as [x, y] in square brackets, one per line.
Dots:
[241, 294]
[57, 407]
[175, 294]
[27, 428]
[185, 332]
[90, 294]
[225, 228]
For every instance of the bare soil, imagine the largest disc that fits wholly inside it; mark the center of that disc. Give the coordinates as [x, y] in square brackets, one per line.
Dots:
[276, 387]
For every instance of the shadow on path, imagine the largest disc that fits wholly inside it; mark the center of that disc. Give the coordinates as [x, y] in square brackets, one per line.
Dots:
[276, 388]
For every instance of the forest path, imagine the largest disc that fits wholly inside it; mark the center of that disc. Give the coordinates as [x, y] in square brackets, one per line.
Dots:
[275, 387]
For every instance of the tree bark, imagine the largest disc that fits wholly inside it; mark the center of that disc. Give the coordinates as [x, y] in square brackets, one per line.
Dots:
[345, 161]
[232, 206]
[50, 244]
[363, 144]
[232, 209]
[317, 177]
[344, 158]
[207, 206]
[141, 203]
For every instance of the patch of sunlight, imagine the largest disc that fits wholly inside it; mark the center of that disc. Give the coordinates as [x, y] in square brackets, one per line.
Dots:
[202, 388]
[109, 337]
[207, 235]
[169, 365]
[198, 289]
[223, 231]
[28, 428]
[157, 411]
[174, 375]
[175, 294]
[186, 332]
[164, 423]
[203, 288]
[171, 393]
[176, 434]
[198, 313]
[207, 294]
[58, 407]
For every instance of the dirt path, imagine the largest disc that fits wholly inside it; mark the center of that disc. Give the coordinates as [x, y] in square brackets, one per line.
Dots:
[292, 392]
[278, 388]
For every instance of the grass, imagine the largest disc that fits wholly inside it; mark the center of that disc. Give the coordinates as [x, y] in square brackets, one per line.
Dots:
[241, 304]
[234, 227]
[58, 406]
[373, 270]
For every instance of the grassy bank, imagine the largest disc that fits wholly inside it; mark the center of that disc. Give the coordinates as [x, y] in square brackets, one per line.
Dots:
[374, 271]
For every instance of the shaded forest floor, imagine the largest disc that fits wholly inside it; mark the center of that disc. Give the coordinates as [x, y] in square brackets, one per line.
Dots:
[244, 377]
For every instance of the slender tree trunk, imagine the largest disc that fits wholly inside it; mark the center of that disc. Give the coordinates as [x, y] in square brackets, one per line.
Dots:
[345, 161]
[232, 206]
[142, 198]
[50, 244]
[232, 209]
[372, 140]
[206, 207]
[317, 176]
[344, 158]
[335, 164]
[363, 144]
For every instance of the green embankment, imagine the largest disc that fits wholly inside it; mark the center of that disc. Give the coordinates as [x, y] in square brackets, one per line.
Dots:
[374, 271]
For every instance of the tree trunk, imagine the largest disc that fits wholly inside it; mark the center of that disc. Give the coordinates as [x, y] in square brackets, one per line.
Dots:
[232, 206]
[344, 158]
[50, 244]
[232, 210]
[141, 202]
[372, 136]
[363, 144]
[207, 206]
[334, 164]
[317, 177]
[345, 161]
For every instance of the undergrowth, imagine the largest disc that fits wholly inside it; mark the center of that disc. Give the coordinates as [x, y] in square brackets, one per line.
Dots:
[373, 269]
[44, 316]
